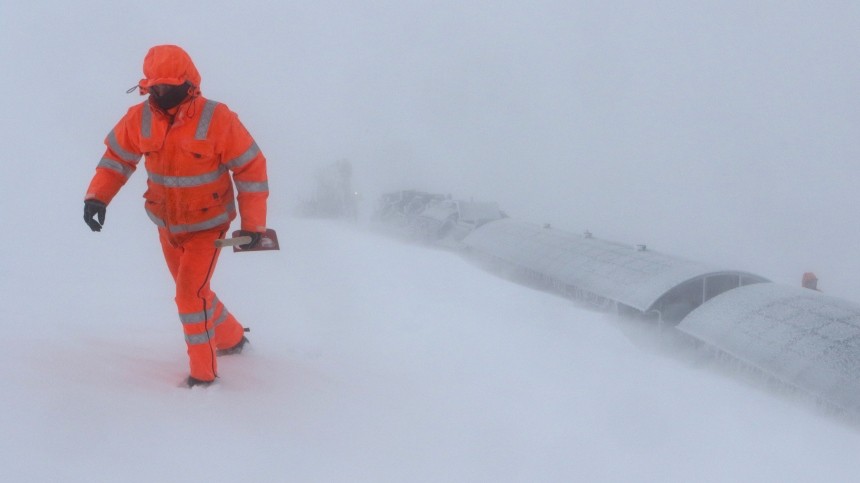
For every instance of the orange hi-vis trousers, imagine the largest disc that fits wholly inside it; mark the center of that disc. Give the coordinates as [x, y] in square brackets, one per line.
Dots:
[207, 324]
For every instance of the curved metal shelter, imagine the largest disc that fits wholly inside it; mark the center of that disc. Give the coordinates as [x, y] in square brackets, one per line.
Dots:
[799, 336]
[603, 272]
[454, 219]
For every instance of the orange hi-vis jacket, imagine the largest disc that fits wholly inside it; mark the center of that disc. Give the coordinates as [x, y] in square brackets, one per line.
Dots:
[189, 157]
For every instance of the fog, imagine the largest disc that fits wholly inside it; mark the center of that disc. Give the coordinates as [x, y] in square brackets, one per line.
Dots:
[722, 131]
[726, 132]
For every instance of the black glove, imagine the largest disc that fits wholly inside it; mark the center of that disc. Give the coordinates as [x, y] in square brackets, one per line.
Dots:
[91, 209]
[255, 239]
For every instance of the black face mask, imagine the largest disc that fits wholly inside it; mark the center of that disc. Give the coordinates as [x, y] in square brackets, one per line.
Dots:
[170, 96]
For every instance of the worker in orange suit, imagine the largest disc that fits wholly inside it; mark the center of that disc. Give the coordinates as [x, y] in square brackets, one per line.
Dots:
[195, 149]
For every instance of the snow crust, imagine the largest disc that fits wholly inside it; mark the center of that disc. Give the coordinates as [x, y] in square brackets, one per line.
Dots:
[371, 360]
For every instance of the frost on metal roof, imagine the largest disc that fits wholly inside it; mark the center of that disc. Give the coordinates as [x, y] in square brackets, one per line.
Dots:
[618, 272]
[476, 211]
[800, 336]
[440, 211]
[468, 211]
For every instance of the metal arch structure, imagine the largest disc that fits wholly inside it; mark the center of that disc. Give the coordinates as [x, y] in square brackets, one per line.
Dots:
[449, 221]
[432, 218]
[799, 336]
[600, 272]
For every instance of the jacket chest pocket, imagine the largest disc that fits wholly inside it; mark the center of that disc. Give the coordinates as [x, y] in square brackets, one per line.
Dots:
[195, 151]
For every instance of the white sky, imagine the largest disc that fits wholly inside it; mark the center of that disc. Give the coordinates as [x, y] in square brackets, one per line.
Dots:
[722, 131]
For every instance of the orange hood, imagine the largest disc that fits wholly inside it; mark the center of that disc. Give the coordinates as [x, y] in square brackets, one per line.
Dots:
[168, 64]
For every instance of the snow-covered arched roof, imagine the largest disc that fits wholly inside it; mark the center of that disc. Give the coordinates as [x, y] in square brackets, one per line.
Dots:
[800, 336]
[633, 276]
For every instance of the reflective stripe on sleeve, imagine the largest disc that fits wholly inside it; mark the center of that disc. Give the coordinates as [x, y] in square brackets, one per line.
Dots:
[245, 157]
[115, 165]
[252, 186]
[187, 181]
[122, 153]
[146, 121]
[205, 120]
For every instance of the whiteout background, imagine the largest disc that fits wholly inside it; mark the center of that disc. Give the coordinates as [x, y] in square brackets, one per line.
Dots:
[726, 132]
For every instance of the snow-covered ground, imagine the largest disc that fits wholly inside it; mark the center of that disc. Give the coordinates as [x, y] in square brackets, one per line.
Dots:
[371, 360]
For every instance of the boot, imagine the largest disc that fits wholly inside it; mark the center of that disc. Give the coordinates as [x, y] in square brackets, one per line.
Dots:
[193, 381]
[236, 349]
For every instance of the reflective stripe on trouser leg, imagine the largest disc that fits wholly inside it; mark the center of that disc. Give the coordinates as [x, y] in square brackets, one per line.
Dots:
[228, 333]
[191, 262]
[217, 325]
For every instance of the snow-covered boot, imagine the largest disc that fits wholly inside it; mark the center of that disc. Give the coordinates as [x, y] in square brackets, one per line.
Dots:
[193, 381]
[236, 349]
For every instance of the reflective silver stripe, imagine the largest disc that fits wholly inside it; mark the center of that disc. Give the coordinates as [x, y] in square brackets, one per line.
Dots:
[115, 165]
[211, 223]
[122, 153]
[245, 157]
[158, 221]
[205, 120]
[196, 339]
[252, 187]
[146, 121]
[221, 318]
[205, 225]
[201, 316]
[187, 181]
